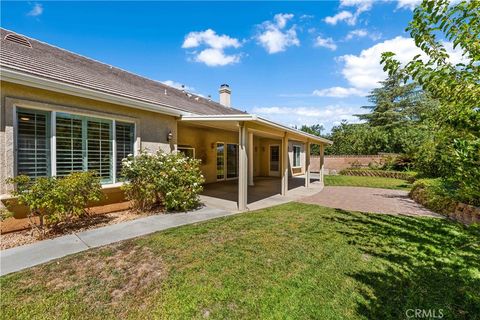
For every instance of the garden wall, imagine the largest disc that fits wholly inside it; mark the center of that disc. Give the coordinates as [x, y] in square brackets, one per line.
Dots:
[341, 162]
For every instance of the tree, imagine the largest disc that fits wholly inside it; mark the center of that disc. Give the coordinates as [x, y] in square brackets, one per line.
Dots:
[455, 86]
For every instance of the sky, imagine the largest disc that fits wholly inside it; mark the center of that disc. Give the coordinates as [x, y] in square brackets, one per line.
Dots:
[292, 62]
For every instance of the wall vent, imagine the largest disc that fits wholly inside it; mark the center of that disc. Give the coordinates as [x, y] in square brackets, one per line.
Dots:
[18, 39]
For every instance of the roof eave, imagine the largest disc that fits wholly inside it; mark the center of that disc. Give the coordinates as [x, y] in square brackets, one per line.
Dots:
[30, 80]
[255, 118]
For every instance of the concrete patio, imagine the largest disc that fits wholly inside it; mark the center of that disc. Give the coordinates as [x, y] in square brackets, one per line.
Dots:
[266, 192]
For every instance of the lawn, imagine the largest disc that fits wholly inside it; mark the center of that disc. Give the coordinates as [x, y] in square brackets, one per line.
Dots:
[291, 261]
[372, 182]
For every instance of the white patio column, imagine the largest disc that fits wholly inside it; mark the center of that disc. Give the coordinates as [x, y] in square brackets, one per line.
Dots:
[284, 157]
[307, 164]
[322, 160]
[242, 167]
[250, 159]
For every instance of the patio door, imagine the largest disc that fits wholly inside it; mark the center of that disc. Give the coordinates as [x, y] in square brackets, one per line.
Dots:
[274, 160]
[227, 161]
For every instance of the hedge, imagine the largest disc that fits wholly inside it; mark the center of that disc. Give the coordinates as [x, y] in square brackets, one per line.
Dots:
[409, 176]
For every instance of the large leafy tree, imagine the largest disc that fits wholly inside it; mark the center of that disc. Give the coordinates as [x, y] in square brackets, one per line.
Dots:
[455, 86]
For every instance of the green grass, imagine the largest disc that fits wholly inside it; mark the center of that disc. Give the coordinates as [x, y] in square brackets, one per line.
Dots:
[294, 261]
[372, 182]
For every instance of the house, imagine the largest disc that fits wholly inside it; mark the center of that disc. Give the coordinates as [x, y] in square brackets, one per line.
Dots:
[62, 112]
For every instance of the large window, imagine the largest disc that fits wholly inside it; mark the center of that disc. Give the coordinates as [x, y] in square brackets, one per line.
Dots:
[82, 144]
[227, 161]
[33, 143]
[296, 156]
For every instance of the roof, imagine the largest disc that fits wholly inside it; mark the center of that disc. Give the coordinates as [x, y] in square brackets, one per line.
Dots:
[47, 62]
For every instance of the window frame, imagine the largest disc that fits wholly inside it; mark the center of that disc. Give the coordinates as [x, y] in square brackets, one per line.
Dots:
[299, 164]
[187, 148]
[52, 111]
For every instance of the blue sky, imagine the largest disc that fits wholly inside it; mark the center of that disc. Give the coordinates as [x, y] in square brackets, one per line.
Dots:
[293, 62]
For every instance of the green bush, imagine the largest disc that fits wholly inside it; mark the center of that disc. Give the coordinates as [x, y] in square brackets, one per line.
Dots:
[53, 199]
[172, 181]
[401, 162]
[434, 194]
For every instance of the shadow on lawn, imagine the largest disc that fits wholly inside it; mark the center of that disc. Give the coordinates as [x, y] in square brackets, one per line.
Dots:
[428, 264]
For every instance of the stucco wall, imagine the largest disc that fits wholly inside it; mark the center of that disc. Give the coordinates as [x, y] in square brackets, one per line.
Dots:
[151, 128]
[202, 139]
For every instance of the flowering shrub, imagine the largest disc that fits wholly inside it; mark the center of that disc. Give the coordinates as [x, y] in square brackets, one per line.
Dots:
[171, 180]
[53, 199]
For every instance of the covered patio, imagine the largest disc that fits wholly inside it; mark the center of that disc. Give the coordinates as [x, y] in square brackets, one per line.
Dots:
[249, 161]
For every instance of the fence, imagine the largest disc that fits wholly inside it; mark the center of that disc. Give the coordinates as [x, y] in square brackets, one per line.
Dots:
[341, 162]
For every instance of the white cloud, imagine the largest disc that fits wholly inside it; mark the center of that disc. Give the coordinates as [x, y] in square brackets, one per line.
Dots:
[274, 37]
[363, 72]
[339, 92]
[326, 115]
[361, 5]
[325, 42]
[36, 11]
[408, 4]
[346, 16]
[214, 52]
[361, 33]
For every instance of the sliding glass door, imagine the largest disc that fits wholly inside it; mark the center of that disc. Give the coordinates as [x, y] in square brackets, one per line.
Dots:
[227, 161]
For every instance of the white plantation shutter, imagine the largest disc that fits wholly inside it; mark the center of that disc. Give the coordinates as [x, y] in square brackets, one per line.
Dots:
[124, 136]
[33, 143]
[84, 144]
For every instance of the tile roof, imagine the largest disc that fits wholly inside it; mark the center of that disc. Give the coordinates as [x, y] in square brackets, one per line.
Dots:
[49, 62]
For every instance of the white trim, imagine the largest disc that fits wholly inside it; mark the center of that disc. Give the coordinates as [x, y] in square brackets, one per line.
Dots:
[114, 151]
[224, 162]
[57, 86]
[187, 148]
[53, 143]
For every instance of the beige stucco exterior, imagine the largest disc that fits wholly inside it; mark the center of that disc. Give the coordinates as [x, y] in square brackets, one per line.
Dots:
[151, 128]
[151, 134]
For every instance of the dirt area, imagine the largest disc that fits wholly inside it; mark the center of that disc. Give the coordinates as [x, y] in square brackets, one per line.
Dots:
[18, 238]
[103, 277]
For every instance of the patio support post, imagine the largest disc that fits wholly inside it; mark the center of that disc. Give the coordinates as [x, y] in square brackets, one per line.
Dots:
[242, 167]
[250, 159]
[322, 160]
[284, 157]
[307, 164]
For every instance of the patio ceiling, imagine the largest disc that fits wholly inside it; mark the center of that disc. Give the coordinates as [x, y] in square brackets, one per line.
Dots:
[254, 124]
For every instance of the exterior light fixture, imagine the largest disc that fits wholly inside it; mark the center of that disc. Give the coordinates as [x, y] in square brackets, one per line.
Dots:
[169, 136]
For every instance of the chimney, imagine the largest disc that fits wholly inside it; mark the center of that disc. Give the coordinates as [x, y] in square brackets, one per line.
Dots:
[225, 95]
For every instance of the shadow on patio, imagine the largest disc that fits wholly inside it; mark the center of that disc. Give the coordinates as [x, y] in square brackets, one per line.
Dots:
[265, 192]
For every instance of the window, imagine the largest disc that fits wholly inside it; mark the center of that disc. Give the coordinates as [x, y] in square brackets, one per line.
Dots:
[232, 161]
[124, 135]
[187, 151]
[296, 156]
[82, 144]
[220, 161]
[33, 143]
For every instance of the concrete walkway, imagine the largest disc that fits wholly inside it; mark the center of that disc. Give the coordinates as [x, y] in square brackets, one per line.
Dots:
[369, 200]
[22, 257]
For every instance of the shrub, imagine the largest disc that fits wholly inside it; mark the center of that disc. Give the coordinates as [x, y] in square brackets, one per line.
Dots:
[399, 162]
[172, 181]
[53, 199]
[410, 176]
[434, 194]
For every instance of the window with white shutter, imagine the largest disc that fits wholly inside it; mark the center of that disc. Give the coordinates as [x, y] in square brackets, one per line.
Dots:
[33, 143]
